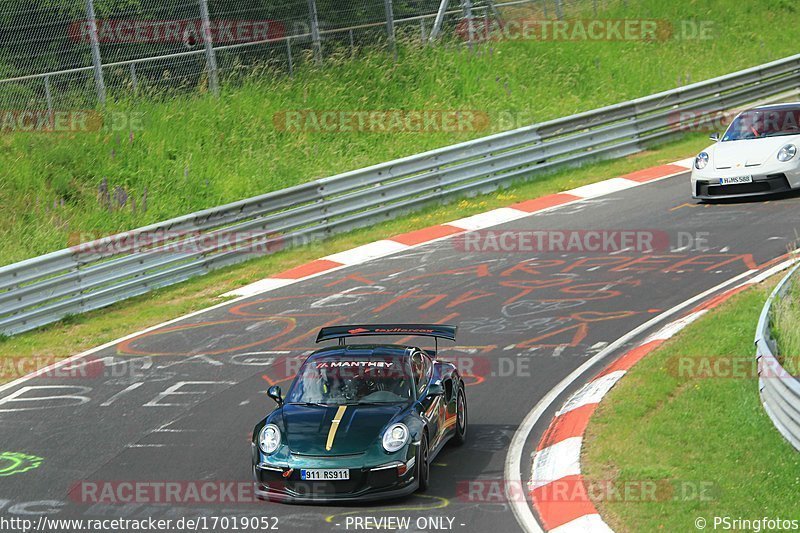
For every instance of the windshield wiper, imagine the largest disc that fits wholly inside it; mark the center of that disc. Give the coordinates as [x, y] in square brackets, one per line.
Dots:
[307, 404]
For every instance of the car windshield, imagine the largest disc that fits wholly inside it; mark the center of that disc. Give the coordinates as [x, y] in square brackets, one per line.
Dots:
[756, 124]
[347, 380]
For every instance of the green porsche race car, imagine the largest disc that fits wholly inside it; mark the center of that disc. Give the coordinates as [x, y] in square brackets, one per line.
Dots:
[362, 421]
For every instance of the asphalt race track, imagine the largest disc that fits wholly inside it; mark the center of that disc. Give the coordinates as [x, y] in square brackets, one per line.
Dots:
[178, 404]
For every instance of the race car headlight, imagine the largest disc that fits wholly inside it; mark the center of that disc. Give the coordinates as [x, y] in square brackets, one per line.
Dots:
[701, 161]
[395, 437]
[269, 439]
[787, 153]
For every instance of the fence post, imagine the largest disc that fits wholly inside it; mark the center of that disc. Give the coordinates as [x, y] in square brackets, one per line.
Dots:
[467, 6]
[352, 45]
[495, 13]
[437, 23]
[559, 10]
[289, 55]
[390, 26]
[48, 95]
[134, 78]
[211, 58]
[96, 61]
[315, 38]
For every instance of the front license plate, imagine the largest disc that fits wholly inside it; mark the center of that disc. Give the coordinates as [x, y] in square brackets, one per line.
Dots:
[326, 474]
[733, 180]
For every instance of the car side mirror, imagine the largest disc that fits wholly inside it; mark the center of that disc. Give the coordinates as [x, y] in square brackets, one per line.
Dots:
[274, 392]
[435, 389]
[714, 136]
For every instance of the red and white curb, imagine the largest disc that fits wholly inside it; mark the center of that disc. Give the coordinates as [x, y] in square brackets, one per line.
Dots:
[556, 467]
[406, 241]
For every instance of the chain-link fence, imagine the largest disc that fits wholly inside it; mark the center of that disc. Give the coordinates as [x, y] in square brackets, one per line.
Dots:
[60, 54]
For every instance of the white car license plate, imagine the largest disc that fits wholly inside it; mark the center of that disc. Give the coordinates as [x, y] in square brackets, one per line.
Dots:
[733, 180]
[324, 474]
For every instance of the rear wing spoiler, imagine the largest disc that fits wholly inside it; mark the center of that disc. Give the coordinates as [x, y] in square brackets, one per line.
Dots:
[439, 331]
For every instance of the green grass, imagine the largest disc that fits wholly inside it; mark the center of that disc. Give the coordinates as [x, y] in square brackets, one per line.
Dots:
[660, 423]
[195, 152]
[99, 327]
[785, 318]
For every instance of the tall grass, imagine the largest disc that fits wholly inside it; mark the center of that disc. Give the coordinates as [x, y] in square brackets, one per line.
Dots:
[786, 325]
[195, 152]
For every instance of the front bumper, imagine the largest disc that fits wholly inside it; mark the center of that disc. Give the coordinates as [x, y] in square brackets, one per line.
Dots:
[283, 484]
[761, 185]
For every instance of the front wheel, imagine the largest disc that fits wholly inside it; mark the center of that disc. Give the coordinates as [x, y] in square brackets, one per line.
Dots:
[461, 418]
[423, 467]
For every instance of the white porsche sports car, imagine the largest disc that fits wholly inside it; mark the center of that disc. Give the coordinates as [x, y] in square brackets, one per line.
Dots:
[756, 155]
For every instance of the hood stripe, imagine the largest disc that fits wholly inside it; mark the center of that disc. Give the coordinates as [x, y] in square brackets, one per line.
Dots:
[335, 426]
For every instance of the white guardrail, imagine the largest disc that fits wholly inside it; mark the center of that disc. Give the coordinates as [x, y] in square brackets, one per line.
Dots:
[45, 289]
[780, 390]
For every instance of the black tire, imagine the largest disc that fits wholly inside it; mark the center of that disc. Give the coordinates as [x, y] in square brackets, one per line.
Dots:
[460, 436]
[423, 465]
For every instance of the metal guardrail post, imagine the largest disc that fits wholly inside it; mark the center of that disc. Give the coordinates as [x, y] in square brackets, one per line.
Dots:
[211, 57]
[390, 27]
[315, 36]
[99, 82]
